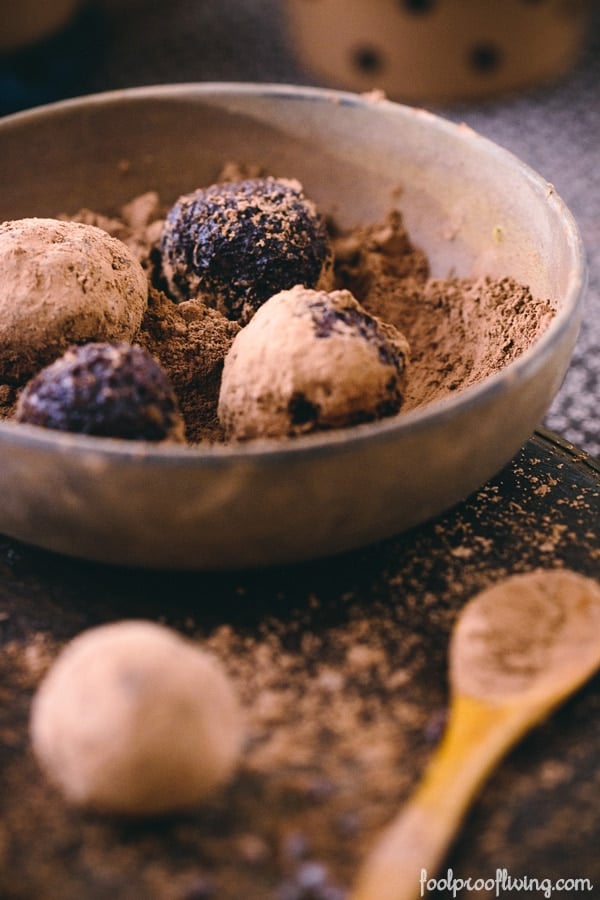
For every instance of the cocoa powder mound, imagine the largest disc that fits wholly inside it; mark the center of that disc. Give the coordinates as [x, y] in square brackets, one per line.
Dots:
[472, 329]
[459, 330]
[190, 341]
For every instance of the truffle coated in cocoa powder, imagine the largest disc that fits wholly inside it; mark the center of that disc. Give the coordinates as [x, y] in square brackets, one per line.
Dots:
[110, 390]
[63, 283]
[236, 244]
[133, 719]
[311, 360]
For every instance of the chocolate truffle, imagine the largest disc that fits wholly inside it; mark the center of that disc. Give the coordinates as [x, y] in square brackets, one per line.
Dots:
[310, 360]
[63, 283]
[111, 390]
[133, 718]
[236, 244]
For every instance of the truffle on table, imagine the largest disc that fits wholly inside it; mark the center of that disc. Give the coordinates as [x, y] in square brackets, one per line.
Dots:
[109, 390]
[63, 283]
[134, 719]
[235, 244]
[311, 360]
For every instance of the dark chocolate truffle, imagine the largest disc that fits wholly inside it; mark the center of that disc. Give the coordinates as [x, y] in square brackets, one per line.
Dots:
[111, 390]
[236, 244]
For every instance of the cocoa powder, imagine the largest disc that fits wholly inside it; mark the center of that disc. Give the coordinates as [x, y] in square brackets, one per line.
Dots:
[190, 341]
[459, 330]
[524, 633]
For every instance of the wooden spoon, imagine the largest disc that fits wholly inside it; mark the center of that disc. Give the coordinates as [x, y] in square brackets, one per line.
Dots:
[518, 649]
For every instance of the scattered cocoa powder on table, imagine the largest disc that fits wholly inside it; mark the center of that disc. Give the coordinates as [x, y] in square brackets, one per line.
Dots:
[341, 665]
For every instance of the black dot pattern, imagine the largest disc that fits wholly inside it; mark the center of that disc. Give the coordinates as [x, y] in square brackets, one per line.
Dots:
[484, 58]
[368, 59]
[418, 7]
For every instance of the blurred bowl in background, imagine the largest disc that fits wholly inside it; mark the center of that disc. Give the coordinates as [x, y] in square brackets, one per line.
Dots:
[437, 50]
[26, 22]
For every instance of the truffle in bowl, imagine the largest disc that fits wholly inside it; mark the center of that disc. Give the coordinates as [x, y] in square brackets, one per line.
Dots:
[496, 268]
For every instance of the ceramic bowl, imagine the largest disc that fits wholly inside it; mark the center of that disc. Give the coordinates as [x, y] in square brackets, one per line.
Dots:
[274, 502]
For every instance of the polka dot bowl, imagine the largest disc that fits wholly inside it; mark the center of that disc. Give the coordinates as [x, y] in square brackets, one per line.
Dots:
[436, 50]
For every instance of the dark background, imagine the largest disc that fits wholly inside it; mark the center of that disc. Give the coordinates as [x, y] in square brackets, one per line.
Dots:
[555, 127]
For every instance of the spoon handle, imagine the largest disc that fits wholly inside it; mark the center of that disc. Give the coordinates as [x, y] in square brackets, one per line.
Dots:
[412, 847]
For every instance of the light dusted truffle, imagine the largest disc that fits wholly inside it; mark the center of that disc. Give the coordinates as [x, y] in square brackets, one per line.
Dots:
[109, 390]
[310, 360]
[134, 719]
[235, 244]
[63, 283]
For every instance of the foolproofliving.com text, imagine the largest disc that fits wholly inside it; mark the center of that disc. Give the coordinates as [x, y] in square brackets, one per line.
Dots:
[503, 883]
